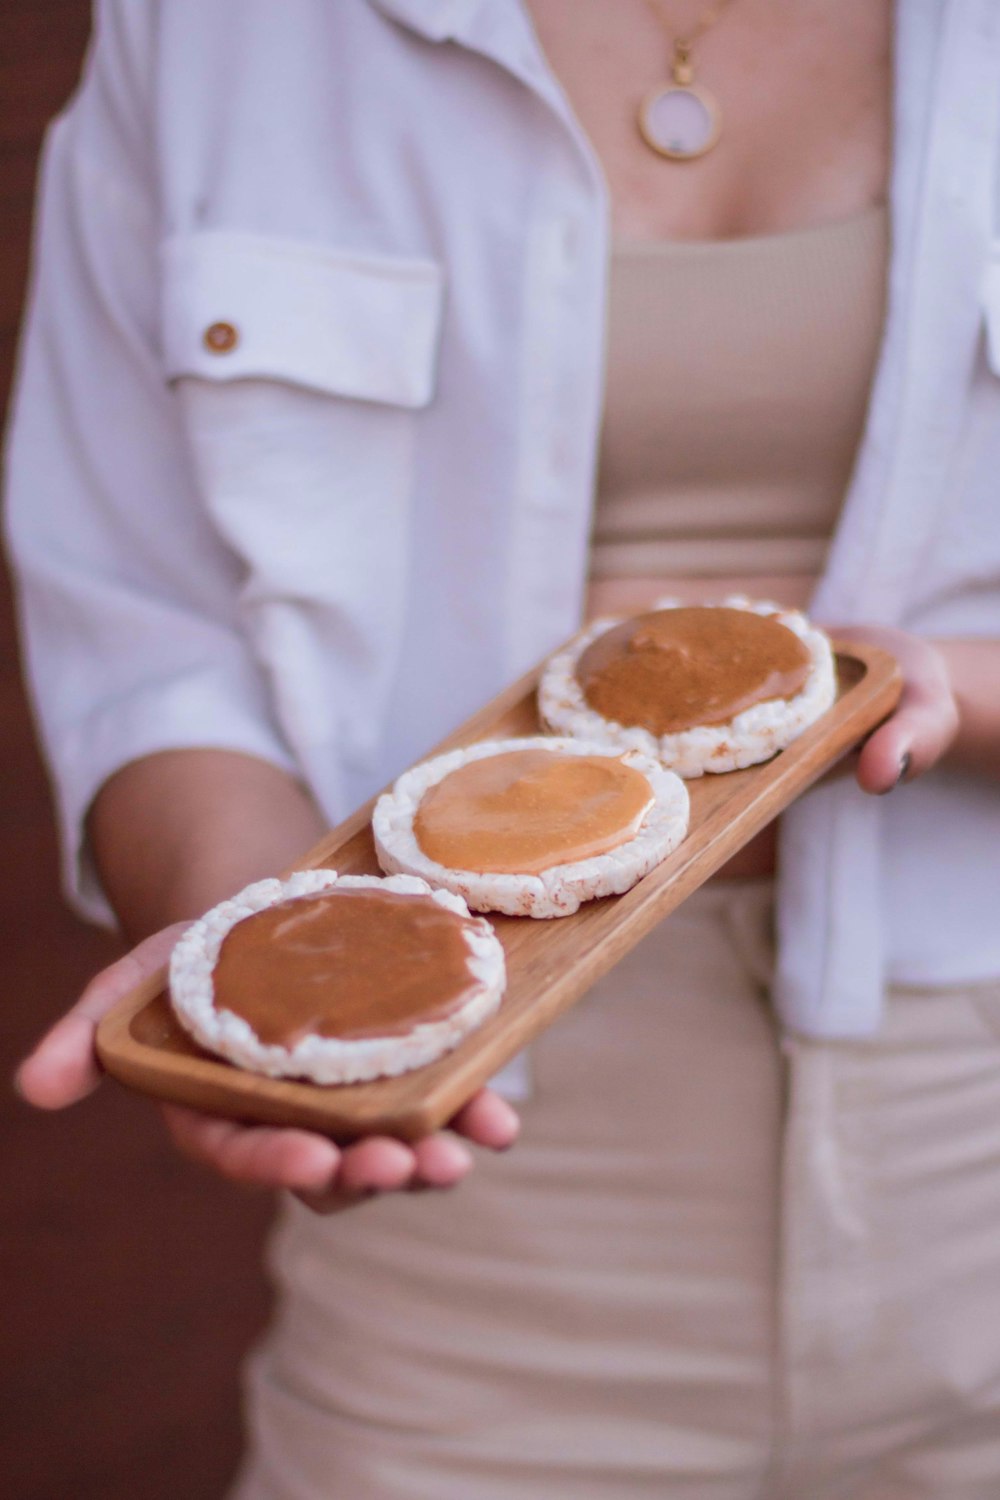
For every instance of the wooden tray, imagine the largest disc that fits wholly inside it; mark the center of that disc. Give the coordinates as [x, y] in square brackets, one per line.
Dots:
[550, 964]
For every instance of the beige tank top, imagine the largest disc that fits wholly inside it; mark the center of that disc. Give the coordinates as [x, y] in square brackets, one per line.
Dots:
[737, 382]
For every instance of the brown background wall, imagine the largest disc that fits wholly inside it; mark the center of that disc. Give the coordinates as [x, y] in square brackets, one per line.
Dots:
[129, 1282]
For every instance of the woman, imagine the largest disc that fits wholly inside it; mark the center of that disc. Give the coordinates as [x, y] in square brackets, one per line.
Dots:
[302, 471]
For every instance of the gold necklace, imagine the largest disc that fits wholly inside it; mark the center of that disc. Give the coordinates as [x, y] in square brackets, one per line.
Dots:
[680, 119]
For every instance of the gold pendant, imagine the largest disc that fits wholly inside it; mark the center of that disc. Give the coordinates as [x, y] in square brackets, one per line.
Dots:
[679, 119]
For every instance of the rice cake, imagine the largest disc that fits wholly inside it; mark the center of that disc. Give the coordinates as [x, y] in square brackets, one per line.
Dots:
[319, 962]
[552, 888]
[751, 733]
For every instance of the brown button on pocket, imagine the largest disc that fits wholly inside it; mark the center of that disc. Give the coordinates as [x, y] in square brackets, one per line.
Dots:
[220, 338]
[364, 326]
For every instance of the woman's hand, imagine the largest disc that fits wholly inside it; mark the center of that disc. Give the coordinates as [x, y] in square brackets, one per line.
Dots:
[64, 1068]
[925, 723]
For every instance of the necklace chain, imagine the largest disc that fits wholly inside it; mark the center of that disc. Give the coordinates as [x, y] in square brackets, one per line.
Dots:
[682, 44]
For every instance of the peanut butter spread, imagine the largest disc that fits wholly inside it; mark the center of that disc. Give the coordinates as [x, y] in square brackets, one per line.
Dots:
[347, 963]
[675, 669]
[527, 810]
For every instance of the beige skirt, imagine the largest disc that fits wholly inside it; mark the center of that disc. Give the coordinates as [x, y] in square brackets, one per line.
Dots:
[721, 1264]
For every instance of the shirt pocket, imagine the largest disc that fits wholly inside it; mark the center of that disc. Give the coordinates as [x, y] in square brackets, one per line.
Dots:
[302, 374]
[239, 306]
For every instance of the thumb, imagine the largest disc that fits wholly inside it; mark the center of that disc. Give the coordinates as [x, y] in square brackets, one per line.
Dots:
[63, 1067]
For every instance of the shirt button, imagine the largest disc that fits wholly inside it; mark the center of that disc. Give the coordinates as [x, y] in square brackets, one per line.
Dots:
[220, 338]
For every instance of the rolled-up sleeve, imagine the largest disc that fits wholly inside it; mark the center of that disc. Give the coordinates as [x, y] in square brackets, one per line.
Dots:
[129, 600]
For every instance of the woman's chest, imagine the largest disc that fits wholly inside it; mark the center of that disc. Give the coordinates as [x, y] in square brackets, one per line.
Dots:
[803, 94]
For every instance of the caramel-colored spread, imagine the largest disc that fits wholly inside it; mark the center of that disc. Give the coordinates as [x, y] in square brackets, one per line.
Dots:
[346, 963]
[523, 811]
[674, 669]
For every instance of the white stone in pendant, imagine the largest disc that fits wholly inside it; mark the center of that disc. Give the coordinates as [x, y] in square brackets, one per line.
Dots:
[680, 121]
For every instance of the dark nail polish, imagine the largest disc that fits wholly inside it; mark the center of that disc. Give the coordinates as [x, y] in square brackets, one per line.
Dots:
[904, 765]
[906, 761]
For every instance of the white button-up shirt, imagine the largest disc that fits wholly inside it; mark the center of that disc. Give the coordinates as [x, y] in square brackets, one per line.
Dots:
[303, 449]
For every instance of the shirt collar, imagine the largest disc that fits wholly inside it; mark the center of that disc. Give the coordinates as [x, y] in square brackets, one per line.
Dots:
[497, 29]
[437, 20]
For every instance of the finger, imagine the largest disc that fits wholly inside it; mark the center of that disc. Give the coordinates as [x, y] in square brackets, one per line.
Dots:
[262, 1155]
[378, 1164]
[488, 1120]
[375, 1165]
[909, 743]
[885, 760]
[926, 721]
[441, 1162]
[438, 1161]
[63, 1067]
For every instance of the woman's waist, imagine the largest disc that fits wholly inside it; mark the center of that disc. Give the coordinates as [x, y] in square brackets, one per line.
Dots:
[630, 595]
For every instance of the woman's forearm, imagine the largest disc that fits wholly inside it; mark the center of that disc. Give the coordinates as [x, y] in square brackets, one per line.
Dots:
[174, 833]
[974, 670]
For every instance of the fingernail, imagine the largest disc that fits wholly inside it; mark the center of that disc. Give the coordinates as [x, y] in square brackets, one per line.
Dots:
[904, 765]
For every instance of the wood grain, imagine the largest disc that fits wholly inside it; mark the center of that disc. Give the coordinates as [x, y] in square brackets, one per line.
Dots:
[550, 964]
